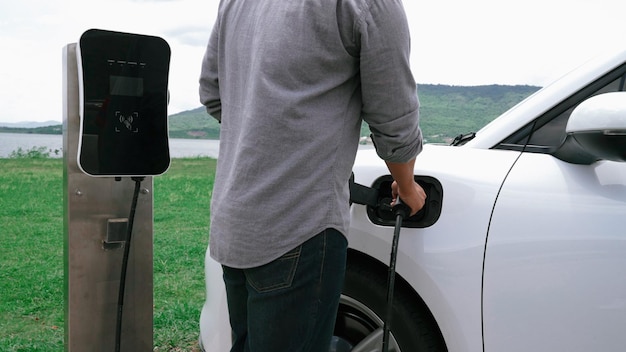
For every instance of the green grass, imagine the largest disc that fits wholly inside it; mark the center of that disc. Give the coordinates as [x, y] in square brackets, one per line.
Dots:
[31, 253]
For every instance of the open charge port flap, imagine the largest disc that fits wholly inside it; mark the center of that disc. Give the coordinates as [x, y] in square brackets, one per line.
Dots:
[381, 215]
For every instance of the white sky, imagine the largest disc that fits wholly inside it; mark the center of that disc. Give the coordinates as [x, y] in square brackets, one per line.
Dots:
[457, 42]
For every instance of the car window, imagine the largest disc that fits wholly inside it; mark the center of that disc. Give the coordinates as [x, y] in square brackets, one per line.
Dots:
[546, 133]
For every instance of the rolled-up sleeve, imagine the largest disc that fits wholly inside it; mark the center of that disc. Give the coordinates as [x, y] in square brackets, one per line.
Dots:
[390, 101]
[209, 81]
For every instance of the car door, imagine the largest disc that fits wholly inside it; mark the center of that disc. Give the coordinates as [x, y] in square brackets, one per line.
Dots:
[555, 261]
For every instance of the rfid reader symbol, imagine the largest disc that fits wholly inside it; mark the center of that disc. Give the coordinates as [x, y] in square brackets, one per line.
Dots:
[126, 121]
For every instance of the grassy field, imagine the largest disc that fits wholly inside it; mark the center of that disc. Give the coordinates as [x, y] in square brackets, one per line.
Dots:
[31, 253]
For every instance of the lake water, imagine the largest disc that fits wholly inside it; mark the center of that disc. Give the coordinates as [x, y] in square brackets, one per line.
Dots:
[179, 148]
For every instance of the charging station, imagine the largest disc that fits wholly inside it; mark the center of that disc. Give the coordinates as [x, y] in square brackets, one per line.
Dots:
[115, 139]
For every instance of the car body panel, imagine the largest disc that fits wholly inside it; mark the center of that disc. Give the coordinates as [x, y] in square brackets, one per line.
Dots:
[215, 332]
[443, 262]
[555, 268]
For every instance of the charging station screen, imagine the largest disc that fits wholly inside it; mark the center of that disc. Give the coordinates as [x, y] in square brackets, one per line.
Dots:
[124, 108]
[128, 86]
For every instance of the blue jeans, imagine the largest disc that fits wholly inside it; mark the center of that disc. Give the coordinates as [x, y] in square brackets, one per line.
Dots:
[290, 304]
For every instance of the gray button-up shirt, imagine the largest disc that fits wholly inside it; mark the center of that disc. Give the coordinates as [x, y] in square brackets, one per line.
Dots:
[290, 82]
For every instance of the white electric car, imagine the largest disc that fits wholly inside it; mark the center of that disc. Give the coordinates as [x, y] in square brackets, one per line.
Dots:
[520, 247]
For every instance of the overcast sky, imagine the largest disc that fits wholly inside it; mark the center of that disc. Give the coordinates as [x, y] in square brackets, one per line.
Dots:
[456, 42]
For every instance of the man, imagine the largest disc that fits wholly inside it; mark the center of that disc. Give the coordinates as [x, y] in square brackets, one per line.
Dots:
[290, 82]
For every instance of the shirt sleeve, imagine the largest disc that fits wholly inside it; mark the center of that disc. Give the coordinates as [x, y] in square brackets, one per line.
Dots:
[390, 102]
[209, 82]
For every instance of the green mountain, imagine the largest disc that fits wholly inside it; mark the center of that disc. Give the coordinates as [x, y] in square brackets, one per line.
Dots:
[445, 112]
[196, 123]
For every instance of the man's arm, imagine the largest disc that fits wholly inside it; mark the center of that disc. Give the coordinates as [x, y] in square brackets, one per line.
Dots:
[390, 102]
[209, 82]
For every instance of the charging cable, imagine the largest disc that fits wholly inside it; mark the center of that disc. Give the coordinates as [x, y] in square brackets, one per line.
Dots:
[129, 232]
[401, 211]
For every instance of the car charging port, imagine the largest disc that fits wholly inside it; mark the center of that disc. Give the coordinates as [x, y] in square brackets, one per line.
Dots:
[383, 214]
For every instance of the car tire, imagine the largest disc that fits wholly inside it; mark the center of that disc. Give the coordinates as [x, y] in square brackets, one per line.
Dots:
[362, 309]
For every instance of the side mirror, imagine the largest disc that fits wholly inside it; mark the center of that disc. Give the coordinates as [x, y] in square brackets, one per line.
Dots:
[596, 130]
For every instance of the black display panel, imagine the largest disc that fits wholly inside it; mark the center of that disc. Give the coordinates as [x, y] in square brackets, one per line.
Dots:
[124, 104]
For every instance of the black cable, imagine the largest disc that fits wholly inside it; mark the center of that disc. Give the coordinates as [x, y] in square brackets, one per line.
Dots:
[401, 210]
[129, 232]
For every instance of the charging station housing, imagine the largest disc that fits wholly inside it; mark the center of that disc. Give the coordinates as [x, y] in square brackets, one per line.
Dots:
[114, 128]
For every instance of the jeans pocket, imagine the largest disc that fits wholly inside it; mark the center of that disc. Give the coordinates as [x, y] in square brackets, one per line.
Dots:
[275, 275]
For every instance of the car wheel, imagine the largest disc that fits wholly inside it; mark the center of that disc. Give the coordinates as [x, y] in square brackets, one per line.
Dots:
[362, 307]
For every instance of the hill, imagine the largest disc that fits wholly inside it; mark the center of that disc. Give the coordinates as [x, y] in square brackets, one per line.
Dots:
[196, 123]
[446, 111]
[29, 124]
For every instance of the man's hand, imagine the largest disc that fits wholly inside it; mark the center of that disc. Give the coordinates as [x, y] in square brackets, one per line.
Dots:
[413, 196]
[404, 186]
